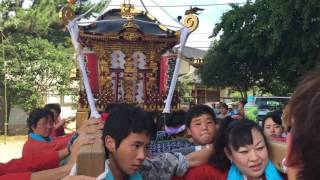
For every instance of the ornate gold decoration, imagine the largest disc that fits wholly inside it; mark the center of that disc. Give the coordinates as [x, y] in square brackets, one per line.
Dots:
[128, 11]
[191, 21]
[193, 10]
[197, 62]
[131, 36]
[129, 40]
[130, 24]
[66, 14]
[81, 116]
[114, 37]
[105, 77]
[74, 74]
[71, 2]
[130, 75]
[130, 71]
[131, 32]
[154, 67]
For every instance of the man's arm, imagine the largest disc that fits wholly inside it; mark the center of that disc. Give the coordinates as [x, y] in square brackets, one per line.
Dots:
[63, 153]
[164, 166]
[56, 173]
[87, 135]
[60, 122]
[22, 168]
[32, 163]
[14, 176]
[167, 165]
[200, 157]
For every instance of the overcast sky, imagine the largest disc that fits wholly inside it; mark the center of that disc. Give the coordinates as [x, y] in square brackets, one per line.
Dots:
[208, 17]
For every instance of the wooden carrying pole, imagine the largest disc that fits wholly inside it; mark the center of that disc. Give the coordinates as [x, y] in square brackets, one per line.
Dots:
[277, 152]
[91, 159]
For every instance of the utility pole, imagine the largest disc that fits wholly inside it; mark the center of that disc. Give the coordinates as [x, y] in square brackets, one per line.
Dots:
[5, 92]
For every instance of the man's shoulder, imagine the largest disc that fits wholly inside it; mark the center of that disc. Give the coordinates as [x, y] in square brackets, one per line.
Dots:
[168, 146]
[164, 166]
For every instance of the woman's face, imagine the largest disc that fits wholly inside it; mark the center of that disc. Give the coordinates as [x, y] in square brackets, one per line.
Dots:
[251, 159]
[43, 127]
[272, 129]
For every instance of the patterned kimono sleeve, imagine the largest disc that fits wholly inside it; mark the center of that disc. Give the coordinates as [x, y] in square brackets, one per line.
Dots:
[164, 166]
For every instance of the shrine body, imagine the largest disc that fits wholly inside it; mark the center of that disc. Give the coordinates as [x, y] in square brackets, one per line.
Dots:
[126, 56]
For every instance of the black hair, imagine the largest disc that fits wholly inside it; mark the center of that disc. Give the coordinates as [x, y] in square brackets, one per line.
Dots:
[124, 119]
[224, 105]
[197, 111]
[159, 118]
[176, 119]
[109, 107]
[275, 118]
[235, 134]
[303, 110]
[53, 106]
[35, 116]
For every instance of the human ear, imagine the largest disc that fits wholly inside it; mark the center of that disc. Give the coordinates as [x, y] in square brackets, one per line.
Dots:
[110, 144]
[33, 127]
[228, 154]
[189, 131]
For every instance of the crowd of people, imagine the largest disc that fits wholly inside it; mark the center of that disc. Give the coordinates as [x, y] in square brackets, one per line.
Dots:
[201, 143]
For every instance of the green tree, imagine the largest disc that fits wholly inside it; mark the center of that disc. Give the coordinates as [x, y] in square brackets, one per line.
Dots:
[240, 59]
[36, 66]
[267, 44]
[38, 53]
[185, 84]
[295, 36]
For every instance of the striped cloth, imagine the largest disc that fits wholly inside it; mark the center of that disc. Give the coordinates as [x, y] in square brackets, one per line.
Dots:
[181, 145]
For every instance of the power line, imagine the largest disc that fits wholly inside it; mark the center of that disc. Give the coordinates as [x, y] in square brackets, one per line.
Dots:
[199, 41]
[201, 33]
[188, 5]
[199, 46]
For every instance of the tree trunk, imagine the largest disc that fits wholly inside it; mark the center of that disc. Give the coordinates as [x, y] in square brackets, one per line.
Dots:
[1, 114]
[245, 95]
[241, 94]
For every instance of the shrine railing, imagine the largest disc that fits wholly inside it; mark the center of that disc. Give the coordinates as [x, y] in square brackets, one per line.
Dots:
[153, 101]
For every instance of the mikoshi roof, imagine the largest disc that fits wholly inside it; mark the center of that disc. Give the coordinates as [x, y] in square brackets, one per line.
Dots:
[112, 21]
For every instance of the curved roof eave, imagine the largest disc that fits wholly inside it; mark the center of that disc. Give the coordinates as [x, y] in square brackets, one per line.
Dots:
[111, 21]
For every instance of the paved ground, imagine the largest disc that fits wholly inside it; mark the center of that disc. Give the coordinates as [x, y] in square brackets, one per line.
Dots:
[13, 147]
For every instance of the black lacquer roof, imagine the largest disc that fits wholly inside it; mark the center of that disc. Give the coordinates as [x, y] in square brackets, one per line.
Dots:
[103, 27]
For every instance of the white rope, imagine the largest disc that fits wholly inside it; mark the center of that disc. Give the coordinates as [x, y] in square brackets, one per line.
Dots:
[141, 1]
[74, 32]
[82, 15]
[183, 39]
[104, 8]
[156, 23]
[174, 19]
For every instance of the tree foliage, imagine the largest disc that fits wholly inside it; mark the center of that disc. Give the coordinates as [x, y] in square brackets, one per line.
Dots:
[37, 52]
[267, 44]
